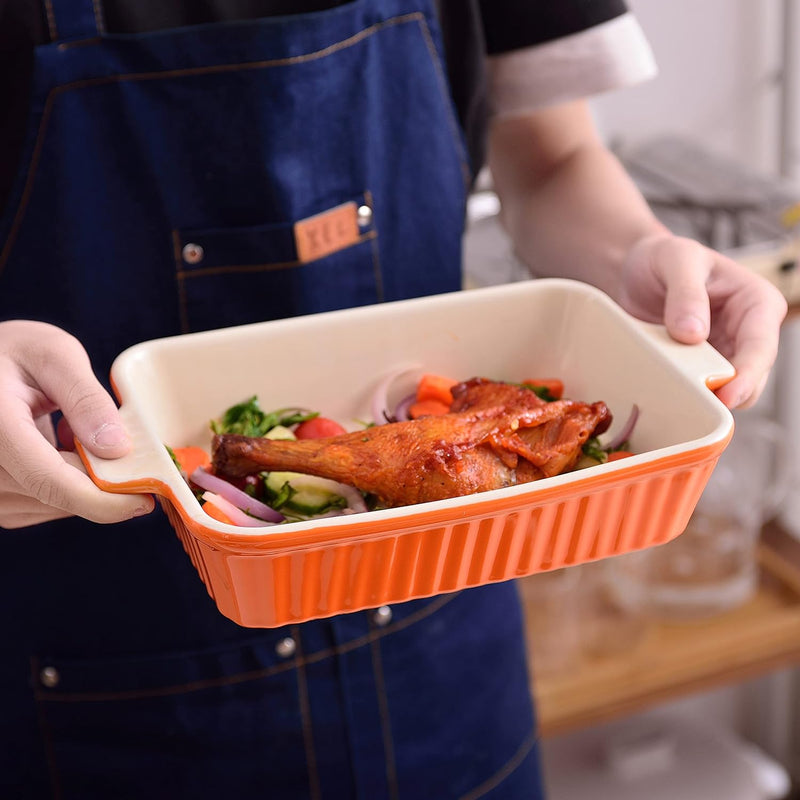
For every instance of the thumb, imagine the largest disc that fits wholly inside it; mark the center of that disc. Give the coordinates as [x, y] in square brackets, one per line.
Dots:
[684, 267]
[91, 414]
[94, 419]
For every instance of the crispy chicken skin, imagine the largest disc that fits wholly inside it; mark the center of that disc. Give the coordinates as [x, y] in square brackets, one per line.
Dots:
[496, 435]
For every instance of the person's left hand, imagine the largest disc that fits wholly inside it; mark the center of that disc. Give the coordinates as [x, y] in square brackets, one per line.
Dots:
[701, 294]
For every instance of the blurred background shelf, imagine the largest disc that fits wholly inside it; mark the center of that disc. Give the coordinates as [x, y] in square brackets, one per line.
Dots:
[673, 660]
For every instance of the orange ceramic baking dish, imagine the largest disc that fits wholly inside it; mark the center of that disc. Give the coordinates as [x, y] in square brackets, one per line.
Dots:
[170, 388]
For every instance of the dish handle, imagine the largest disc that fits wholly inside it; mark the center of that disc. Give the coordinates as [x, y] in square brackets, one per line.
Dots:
[698, 362]
[147, 467]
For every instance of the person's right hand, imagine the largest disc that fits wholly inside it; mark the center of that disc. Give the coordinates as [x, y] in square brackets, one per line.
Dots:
[44, 369]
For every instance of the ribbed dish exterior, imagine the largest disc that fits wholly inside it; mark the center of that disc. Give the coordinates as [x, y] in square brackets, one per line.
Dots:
[270, 589]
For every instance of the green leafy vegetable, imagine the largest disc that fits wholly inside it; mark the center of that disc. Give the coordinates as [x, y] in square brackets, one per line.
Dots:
[247, 419]
[594, 449]
[173, 457]
[541, 391]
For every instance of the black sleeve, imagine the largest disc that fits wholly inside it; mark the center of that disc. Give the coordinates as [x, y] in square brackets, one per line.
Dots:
[515, 24]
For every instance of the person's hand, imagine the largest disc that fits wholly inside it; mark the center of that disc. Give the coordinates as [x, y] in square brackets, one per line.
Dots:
[44, 369]
[701, 294]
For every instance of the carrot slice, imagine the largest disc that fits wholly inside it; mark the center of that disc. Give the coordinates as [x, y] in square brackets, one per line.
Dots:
[190, 458]
[213, 511]
[428, 408]
[554, 386]
[435, 387]
[618, 454]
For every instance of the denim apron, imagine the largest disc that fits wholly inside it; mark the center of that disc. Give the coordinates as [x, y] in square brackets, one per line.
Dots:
[160, 190]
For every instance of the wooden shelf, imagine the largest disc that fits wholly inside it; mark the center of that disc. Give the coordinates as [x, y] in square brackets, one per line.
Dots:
[669, 661]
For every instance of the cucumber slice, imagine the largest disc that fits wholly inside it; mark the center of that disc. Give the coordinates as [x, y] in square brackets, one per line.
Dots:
[586, 461]
[280, 432]
[309, 495]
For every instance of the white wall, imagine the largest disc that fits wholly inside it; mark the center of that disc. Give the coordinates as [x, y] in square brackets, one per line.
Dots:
[719, 82]
[721, 78]
[719, 63]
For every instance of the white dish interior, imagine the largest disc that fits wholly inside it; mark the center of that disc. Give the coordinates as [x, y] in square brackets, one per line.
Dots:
[332, 363]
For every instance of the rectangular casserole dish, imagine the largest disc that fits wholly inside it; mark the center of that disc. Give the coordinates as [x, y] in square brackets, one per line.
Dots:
[169, 389]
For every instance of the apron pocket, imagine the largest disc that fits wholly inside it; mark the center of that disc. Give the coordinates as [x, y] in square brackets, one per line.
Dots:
[235, 276]
[201, 725]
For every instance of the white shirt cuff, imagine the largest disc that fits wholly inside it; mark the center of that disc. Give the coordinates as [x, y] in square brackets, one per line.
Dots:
[607, 56]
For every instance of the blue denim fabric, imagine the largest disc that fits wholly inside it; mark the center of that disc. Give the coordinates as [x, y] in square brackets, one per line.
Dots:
[415, 709]
[225, 136]
[233, 132]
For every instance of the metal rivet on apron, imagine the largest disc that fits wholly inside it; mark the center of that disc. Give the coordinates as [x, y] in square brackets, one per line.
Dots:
[192, 253]
[49, 677]
[382, 616]
[286, 647]
[364, 215]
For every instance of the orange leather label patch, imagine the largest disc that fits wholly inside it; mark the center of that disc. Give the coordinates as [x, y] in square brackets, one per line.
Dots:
[325, 233]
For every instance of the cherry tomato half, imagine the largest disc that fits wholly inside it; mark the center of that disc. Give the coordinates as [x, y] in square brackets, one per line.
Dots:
[318, 428]
[616, 455]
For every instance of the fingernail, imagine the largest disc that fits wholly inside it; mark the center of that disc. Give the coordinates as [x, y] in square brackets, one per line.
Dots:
[690, 324]
[142, 510]
[109, 435]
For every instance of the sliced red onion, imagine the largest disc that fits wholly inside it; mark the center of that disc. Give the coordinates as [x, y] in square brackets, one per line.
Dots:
[380, 398]
[355, 501]
[401, 409]
[242, 500]
[625, 431]
[234, 514]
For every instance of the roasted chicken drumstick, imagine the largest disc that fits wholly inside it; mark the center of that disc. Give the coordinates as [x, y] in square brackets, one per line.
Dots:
[496, 435]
